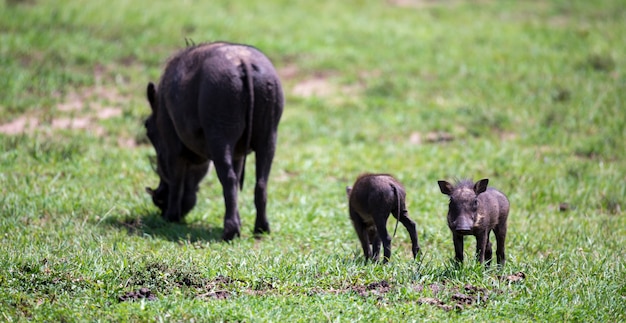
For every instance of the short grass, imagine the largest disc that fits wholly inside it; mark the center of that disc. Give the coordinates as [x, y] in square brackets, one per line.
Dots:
[529, 94]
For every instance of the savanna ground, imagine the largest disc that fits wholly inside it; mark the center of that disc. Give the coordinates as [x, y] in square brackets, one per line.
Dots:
[529, 94]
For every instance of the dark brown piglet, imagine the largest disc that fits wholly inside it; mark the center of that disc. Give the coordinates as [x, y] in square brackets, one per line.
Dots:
[476, 210]
[371, 199]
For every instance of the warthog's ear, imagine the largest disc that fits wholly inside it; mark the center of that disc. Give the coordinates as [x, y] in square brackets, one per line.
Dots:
[481, 186]
[445, 187]
[151, 94]
[150, 191]
[348, 190]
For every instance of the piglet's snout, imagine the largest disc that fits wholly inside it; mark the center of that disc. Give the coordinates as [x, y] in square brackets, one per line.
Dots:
[463, 225]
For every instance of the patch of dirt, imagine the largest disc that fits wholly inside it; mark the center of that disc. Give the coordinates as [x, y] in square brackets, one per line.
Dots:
[313, 87]
[217, 288]
[372, 289]
[564, 207]
[514, 278]
[434, 302]
[318, 84]
[165, 279]
[72, 123]
[132, 224]
[437, 137]
[436, 288]
[152, 275]
[80, 110]
[220, 294]
[19, 125]
[223, 287]
[288, 72]
[442, 295]
[376, 288]
[417, 138]
[469, 295]
[142, 293]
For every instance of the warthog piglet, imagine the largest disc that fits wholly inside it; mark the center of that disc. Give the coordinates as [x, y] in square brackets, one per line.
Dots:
[476, 210]
[371, 199]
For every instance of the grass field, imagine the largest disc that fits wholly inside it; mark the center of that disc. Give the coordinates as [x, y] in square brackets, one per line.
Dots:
[529, 94]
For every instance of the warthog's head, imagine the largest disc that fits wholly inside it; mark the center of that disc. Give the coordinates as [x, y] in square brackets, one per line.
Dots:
[160, 195]
[463, 215]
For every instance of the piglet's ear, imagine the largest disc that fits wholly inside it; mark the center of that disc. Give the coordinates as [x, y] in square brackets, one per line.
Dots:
[445, 187]
[481, 186]
[151, 94]
[150, 191]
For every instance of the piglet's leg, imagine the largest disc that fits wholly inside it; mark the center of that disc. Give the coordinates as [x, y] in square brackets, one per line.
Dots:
[411, 227]
[361, 231]
[380, 220]
[481, 245]
[458, 246]
[500, 232]
[488, 251]
[375, 240]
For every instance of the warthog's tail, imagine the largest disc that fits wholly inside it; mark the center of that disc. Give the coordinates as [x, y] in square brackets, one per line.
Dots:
[248, 131]
[397, 192]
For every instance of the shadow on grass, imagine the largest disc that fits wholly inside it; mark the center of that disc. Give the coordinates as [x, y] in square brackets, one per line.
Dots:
[152, 225]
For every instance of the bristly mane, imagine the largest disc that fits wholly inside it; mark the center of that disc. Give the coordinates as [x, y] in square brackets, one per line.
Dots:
[189, 42]
[460, 184]
[464, 183]
[363, 175]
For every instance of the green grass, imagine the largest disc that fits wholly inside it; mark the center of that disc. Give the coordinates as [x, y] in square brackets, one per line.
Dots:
[529, 94]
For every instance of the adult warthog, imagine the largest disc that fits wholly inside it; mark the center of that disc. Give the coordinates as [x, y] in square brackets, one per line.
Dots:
[215, 102]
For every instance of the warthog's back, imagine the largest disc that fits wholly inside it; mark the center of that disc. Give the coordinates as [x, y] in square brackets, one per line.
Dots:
[497, 199]
[375, 193]
[211, 90]
[212, 62]
[494, 205]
